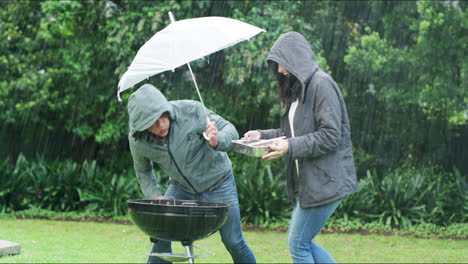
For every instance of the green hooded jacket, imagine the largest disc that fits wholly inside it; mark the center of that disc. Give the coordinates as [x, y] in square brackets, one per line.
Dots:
[184, 155]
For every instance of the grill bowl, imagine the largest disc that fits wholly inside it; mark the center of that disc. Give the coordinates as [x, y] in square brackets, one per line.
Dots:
[177, 220]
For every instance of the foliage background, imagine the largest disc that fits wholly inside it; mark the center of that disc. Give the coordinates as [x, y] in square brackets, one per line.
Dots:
[401, 65]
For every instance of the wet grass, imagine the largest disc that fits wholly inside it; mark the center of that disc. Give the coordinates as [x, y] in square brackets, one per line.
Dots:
[48, 241]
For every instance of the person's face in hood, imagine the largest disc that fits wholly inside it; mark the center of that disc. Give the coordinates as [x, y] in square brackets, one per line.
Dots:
[282, 70]
[289, 86]
[160, 128]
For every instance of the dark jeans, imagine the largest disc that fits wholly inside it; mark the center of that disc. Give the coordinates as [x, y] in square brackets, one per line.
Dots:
[231, 231]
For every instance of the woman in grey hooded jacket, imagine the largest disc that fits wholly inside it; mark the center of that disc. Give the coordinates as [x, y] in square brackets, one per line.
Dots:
[320, 169]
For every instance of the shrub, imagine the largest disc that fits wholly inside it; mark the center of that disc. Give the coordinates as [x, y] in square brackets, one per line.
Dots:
[109, 192]
[415, 199]
[13, 183]
[262, 193]
[457, 230]
[408, 196]
[64, 186]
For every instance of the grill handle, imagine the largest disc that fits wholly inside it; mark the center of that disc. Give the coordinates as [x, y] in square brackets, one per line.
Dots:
[201, 211]
[189, 203]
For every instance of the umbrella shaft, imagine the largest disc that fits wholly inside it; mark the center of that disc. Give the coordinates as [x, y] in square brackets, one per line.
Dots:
[193, 76]
[198, 91]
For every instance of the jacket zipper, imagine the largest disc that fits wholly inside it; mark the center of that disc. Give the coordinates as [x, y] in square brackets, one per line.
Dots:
[177, 166]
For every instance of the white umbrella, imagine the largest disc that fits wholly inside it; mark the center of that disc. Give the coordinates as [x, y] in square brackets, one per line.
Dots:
[182, 42]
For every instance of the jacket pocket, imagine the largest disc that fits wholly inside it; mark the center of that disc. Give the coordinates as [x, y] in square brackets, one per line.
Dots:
[324, 177]
[196, 147]
[317, 183]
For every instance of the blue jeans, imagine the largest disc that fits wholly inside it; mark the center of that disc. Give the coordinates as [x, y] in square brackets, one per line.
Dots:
[231, 231]
[305, 224]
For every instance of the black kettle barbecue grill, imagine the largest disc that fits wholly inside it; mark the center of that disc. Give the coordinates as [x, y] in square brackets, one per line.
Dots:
[177, 220]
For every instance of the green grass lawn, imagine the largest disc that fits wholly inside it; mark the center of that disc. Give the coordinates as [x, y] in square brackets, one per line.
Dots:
[60, 241]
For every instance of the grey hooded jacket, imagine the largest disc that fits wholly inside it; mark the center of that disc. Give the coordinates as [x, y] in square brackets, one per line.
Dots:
[322, 142]
[184, 155]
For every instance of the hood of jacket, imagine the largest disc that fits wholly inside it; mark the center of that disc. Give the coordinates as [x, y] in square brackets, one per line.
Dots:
[294, 53]
[145, 106]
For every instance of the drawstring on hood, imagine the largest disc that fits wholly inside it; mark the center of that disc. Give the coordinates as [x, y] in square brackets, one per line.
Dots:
[145, 106]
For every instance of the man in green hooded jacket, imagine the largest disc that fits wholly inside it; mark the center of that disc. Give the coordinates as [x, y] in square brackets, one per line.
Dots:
[168, 135]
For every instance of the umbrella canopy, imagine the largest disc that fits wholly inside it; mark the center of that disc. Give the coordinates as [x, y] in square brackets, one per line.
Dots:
[182, 42]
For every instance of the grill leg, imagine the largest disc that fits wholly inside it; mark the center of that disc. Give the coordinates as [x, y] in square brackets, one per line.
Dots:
[158, 246]
[150, 251]
[189, 251]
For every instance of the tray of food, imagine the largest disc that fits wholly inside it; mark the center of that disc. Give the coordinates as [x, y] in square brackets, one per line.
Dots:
[253, 147]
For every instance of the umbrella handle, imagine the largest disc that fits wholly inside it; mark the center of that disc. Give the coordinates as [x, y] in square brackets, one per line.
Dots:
[206, 137]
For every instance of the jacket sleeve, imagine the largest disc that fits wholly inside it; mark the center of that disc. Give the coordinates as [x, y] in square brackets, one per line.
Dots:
[144, 173]
[270, 133]
[226, 131]
[328, 116]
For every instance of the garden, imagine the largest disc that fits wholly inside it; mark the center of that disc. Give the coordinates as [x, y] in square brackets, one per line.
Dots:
[66, 172]
[45, 241]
